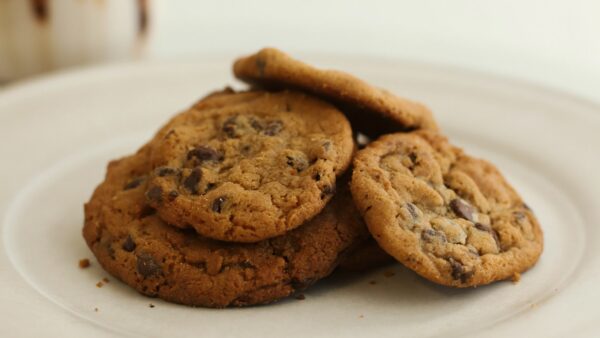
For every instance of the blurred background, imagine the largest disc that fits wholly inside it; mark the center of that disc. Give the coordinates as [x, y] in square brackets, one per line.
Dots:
[555, 43]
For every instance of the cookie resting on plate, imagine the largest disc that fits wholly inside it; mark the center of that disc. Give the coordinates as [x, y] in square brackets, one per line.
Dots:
[132, 243]
[451, 218]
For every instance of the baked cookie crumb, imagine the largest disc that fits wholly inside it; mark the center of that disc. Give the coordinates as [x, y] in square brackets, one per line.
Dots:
[84, 263]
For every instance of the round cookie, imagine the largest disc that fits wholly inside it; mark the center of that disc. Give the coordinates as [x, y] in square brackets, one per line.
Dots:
[368, 255]
[450, 217]
[374, 111]
[132, 243]
[248, 166]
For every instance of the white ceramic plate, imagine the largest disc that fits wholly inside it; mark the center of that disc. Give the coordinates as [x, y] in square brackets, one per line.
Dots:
[57, 133]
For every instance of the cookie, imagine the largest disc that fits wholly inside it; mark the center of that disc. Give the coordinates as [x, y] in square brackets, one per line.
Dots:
[368, 255]
[248, 166]
[132, 243]
[372, 110]
[450, 217]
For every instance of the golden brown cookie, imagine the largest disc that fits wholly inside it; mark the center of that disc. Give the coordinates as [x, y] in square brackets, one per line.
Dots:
[249, 166]
[132, 243]
[450, 217]
[372, 110]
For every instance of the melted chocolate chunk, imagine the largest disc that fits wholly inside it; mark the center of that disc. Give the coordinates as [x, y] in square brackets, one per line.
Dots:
[173, 194]
[191, 182]
[203, 153]
[488, 229]
[462, 209]
[147, 266]
[431, 235]
[166, 171]
[133, 183]
[129, 245]
[273, 128]
[217, 205]
[256, 124]
[327, 190]
[412, 210]
[458, 271]
[229, 126]
[155, 194]
[297, 163]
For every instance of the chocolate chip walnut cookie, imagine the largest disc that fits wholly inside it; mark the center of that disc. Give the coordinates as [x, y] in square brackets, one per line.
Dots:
[134, 244]
[450, 217]
[248, 166]
[374, 111]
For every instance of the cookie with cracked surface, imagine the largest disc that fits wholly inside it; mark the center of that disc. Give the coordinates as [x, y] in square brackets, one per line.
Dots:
[362, 102]
[452, 218]
[132, 243]
[245, 167]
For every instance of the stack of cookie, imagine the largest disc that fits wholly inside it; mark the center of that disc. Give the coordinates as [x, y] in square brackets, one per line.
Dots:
[249, 197]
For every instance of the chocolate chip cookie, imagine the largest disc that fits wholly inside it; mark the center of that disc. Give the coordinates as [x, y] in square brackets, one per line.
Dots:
[372, 110]
[132, 243]
[368, 255]
[248, 166]
[450, 217]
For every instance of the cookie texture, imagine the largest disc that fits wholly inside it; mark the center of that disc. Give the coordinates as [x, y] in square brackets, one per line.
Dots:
[132, 243]
[450, 217]
[368, 255]
[373, 110]
[248, 166]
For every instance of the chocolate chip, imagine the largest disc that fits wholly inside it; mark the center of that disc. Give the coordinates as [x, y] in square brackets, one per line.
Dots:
[218, 204]
[133, 183]
[297, 163]
[146, 266]
[273, 128]
[462, 209]
[412, 210]
[129, 245]
[317, 177]
[229, 126]
[519, 216]
[458, 271]
[210, 186]
[173, 194]
[165, 171]
[203, 153]
[256, 124]
[413, 157]
[155, 194]
[191, 182]
[431, 235]
[327, 190]
[488, 229]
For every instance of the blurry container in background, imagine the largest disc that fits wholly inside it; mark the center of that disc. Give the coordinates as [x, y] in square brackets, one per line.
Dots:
[42, 35]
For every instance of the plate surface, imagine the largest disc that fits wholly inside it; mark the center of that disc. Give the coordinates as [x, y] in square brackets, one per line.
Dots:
[58, 133]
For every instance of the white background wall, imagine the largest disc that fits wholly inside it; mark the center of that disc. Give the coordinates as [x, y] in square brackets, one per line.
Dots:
[551, 42]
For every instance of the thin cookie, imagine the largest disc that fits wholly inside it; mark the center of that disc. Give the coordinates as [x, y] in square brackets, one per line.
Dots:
[372, 110]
